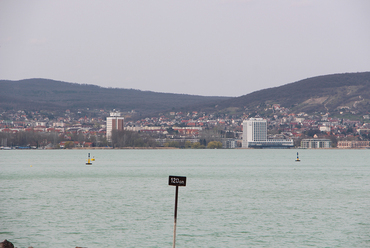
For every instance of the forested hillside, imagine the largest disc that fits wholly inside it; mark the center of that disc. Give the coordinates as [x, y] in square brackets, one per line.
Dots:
[328, 93]
[37, 94]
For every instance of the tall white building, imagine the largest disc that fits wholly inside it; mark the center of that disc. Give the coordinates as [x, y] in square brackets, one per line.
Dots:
[114, 122]
[255, 135]
[254, 129]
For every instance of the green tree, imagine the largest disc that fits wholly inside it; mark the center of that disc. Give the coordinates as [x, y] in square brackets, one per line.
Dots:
[214, 145]
[172, 144]
[69, 145]
[197, 145]
[123, 138]
[187, 144]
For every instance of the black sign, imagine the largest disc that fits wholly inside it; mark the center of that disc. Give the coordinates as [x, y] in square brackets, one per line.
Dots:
[177, 181]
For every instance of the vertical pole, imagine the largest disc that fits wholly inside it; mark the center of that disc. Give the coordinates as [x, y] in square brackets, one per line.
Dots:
[175, 218]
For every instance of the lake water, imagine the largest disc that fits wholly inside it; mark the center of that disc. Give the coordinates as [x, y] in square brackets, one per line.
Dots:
[233, 198]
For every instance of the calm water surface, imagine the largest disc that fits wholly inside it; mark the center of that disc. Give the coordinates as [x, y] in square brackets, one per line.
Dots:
[233, 198]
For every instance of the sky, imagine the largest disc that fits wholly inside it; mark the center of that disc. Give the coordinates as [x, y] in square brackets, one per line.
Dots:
[198, 47]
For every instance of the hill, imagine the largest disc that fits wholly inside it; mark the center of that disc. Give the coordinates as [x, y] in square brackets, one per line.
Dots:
[348, 92]
[45, 94]
[329, 93]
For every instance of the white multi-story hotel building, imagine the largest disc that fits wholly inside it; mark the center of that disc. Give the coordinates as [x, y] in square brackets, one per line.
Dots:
[255, 135]
[114, 122]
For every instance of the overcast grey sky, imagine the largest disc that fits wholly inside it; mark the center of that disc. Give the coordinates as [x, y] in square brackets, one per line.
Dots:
[202, 47]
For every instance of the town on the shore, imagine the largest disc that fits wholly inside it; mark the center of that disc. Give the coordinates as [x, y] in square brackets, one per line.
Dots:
[101, 128]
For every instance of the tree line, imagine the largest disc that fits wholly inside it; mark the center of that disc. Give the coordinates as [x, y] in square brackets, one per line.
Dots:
[52, 139]
[124, 138]
[120, 138]
[29, 139]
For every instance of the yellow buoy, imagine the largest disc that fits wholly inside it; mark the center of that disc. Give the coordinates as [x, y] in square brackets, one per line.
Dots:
[297, 160]
[88, 159]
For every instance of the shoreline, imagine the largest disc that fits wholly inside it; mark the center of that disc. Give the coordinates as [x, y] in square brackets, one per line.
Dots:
[93, 148]
[176, 148]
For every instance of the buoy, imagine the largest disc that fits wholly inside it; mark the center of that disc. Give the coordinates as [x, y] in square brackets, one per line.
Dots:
[88, 159]
[297, 160]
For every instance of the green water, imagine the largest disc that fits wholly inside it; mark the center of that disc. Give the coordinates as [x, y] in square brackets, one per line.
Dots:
[233, 198]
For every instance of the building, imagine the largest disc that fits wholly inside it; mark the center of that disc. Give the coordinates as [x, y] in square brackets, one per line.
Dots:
[114, 122]
[255, 135]
[316, 143]
[324, 129]
[229, 143]
[353, 144]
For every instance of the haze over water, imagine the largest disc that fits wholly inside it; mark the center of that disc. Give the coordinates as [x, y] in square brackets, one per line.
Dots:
[233, 198]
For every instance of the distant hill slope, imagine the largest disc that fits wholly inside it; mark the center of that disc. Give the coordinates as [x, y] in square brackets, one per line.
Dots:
[37, 94]
[317, 94]
[329, 93]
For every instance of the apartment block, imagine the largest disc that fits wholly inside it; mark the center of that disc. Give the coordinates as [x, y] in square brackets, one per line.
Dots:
[114, 122]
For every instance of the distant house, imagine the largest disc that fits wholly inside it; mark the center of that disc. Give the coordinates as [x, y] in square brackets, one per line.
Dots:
[58, 124]
[316, 143]
[229, 143]
[324, 129]
[62, 144]
[188, 131]
[39, 129]
[87, 144]
[353, 144]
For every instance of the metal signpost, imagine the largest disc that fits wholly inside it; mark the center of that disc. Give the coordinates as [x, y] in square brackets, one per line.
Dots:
[176, 181]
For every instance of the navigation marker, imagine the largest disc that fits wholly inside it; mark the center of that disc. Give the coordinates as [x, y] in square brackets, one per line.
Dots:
[88, 159]
[298, 160]
[176, 181]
